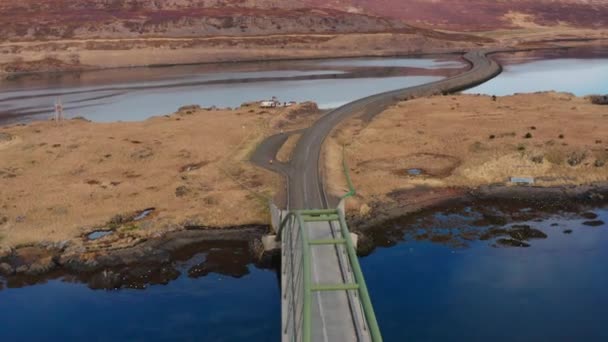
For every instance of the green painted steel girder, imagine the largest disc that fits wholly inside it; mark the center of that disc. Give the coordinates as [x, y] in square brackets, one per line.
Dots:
[307, 280]
[300, 218]
[322, 218]
[351, 188]
[366, 302]
[327, 242]
[335, 287]
[316, 212]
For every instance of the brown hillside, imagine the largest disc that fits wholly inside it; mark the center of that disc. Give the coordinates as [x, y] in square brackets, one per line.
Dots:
[471, 15]
[84, 19]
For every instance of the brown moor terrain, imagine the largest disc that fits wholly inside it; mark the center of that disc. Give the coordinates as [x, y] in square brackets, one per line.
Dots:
[59, 35]
[478, 15]
[85, 19]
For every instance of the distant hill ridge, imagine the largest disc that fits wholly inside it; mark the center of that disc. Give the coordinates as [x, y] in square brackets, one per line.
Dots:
[84, 19]
[65, 19]
[471, 15]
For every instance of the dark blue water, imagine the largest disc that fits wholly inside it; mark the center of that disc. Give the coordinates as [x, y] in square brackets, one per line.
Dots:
[444, 278]
[211, 308]
[554, 290]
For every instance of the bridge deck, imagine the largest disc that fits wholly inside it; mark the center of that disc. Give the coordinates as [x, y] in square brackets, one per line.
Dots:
[331, 311]
[305, 190]
[335, 314]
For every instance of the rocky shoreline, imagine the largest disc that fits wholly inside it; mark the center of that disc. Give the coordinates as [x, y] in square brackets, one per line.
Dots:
[153, 261]
[148, 262]
[558, 197]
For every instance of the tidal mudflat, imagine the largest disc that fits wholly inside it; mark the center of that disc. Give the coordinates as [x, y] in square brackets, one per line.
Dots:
[138, 93]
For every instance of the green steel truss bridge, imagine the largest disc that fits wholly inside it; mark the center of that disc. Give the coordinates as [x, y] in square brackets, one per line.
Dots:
[324, 296]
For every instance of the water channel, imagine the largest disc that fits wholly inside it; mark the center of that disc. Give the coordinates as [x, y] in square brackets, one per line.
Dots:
[138, 93]
[447, 274]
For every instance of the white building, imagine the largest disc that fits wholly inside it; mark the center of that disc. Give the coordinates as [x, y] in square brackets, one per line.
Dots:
[269, 104]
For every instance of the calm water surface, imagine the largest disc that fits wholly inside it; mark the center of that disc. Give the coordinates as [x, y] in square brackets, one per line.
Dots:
[234, 301]
[424, 287]
[578, 71]
[433, 277]
[554, 290]
[136, 94]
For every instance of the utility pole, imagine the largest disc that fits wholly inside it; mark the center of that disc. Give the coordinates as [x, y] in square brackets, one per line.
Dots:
[58, 110]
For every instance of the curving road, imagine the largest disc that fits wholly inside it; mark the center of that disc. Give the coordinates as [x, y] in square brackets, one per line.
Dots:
[335, 316]
[305, 188]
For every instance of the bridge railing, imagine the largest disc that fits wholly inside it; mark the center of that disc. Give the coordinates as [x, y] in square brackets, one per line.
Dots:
[296, 272]
[292, 273]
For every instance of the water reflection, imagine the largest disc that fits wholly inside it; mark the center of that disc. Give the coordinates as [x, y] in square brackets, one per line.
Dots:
[578, 71]
[394, 62]
[552, 290]
[215, 293]
[136, 94]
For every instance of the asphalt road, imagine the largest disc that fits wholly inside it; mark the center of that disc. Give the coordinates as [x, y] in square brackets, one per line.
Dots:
[305, 188]
[334, 315]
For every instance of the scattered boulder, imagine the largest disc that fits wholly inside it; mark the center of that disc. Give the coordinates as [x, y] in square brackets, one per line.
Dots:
[134, 277]
[575, 158]
[441, 238]
[142, 153]
[118, 219]
[364, 210]
[6, 269]
[80, 118]
[492, 233]
[568, 231]
[41, 266]
[589, 215]
[599, 99]
[211, 200]
[595, 223]
[511, 243]
[365, 244]
[518, 233]
[490, 219]
[190, 109]
[181, 191]
[5, 137]
[33, 260]
[193, 166]
[537, 159]
[525, 232]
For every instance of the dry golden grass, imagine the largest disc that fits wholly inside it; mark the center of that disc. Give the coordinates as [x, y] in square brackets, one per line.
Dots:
[469, 141]
[59, 181]
[112, 53]
[286, 151]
